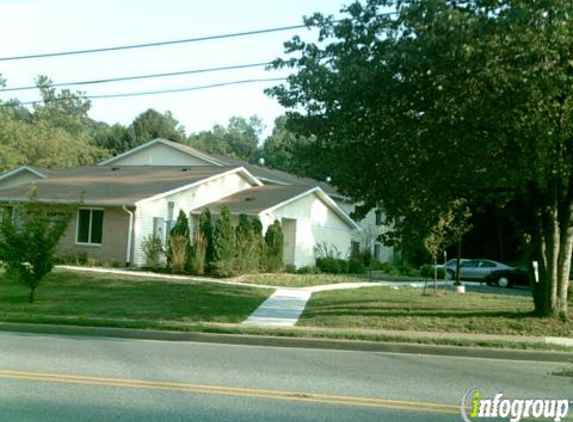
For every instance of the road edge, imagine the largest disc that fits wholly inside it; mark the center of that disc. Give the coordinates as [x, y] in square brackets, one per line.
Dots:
[293, 342]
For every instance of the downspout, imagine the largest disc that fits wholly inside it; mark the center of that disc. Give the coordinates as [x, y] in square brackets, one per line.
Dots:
[129, 236]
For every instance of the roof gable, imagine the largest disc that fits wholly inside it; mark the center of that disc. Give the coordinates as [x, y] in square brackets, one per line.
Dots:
[161, 152]
[19, 176]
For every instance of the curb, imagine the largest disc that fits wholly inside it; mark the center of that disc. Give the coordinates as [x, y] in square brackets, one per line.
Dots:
[294, 342]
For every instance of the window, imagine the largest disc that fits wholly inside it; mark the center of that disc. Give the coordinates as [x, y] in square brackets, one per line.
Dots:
[486, 264]
[90, 226]
[378, 217]
[377, 251]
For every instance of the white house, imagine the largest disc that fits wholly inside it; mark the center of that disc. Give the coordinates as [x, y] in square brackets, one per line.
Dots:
[139, 193]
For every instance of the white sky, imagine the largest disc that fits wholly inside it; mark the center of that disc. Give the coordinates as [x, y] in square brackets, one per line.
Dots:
[44, 26]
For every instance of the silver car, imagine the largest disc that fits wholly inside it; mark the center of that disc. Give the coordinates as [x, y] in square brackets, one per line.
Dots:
[476, 269]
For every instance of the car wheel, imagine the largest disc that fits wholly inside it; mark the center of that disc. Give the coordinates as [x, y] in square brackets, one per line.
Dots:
[503, 282]
[450, 275]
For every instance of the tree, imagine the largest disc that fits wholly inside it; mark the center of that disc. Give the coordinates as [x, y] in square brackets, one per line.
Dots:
[151, 124]
[446, 101]
[450, 228]
[285, 150]
[246, 259]
[206, 231]
[274, 241]
[29, 237]
[58, 133]
[240, 139]
[259, 245]
[224, 244]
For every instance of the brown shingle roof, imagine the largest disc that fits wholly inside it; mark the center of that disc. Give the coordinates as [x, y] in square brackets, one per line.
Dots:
[111, 185]
[253, 201]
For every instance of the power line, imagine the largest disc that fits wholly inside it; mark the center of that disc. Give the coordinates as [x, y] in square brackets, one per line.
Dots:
[153, 44]
[164, 91]
[137, 77]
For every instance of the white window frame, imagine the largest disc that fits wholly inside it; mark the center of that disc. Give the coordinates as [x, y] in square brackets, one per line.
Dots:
[90, 226]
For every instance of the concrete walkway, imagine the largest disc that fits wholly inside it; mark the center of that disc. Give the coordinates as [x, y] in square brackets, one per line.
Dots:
[281, 309]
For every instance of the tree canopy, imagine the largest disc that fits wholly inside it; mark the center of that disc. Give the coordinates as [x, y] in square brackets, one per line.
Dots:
[442, 101]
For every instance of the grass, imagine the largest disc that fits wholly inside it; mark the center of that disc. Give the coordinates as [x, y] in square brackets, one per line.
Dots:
[407, 309]
[66, 295]
[298, 280]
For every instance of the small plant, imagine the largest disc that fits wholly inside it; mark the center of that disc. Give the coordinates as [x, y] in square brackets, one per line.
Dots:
[153, 250]
[179, 245]
[290, 269]
[322, 250]
[200, 253]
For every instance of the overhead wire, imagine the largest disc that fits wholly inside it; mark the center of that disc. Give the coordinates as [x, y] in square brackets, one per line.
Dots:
[154, 92]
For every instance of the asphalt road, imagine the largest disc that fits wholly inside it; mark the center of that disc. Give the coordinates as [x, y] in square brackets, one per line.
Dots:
[58, 378]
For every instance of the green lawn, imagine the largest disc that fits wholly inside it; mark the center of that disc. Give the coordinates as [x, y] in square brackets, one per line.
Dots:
[299, 280]
[408, 309]
[73, 296]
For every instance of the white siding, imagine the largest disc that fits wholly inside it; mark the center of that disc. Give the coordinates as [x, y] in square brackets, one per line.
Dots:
[19, 178]
[316, 223]
[187, 201]
[160, 155]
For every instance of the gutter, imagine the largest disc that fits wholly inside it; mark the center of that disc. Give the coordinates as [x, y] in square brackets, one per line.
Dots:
[129, 236]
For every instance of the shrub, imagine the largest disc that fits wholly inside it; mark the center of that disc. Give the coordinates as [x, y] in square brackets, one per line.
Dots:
[224, 244]
[246, 261]
[153, 250]
[329, 265]
[206, 230]
[179, 260]
[290, 268]
[309, 269]
[178, 245]
[259, 245]
[200, 253]
[427, 271]
[274, 240]
[355, 266]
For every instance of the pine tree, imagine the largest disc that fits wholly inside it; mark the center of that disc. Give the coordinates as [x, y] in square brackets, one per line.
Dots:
[246, 261]
[224, 244]
[274, 240]
[206, 231]
[259, 245]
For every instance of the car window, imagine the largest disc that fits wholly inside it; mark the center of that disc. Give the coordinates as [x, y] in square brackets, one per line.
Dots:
[487, 264]
[470, 264]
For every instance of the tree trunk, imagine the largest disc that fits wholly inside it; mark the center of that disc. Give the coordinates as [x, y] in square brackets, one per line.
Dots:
[31, 294]
[553, 248]
[458, 262]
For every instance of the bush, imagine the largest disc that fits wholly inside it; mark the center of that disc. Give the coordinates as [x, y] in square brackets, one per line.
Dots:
[178, 245]
[356, 266]
[309, 269]
[290, 268]
[427, 271]
[153, 250]
[259, 245]
[329, 265]
[224, 244]
[246, 260]
[199, 253]
[274, 240]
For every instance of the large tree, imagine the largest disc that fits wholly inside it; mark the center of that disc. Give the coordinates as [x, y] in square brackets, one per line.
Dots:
[418, 104]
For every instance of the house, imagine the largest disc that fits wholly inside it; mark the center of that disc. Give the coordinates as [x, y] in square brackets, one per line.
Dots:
[139, 193]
